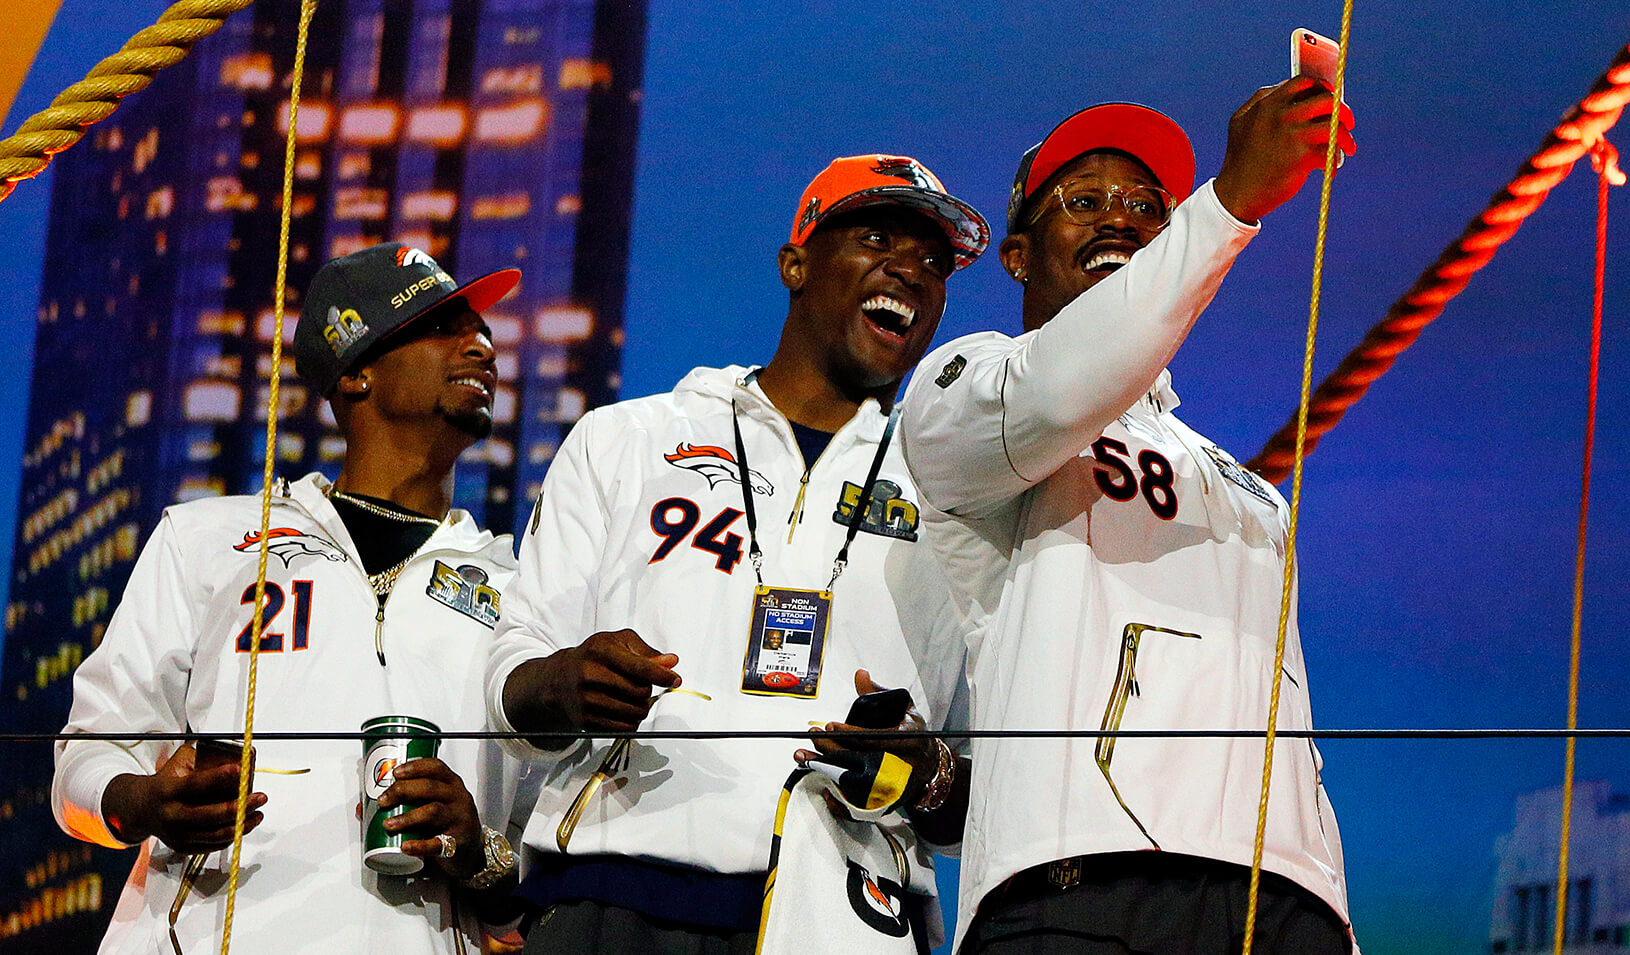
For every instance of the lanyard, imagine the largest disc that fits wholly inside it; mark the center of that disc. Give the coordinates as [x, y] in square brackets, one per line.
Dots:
[859, 514]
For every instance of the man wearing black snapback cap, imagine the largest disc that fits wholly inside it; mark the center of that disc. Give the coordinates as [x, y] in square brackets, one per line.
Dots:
[380, 600]
[667, 529]
[1123, 572]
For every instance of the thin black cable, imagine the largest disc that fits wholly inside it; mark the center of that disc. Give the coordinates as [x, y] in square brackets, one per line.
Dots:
[1377, 734]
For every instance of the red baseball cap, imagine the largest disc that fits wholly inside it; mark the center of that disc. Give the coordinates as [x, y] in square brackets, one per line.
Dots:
[854, 182]
[1151, 136]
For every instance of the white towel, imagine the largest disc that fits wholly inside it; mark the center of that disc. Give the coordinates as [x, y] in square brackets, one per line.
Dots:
[835, 885]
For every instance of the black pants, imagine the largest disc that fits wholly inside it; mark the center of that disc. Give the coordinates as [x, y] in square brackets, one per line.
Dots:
[586, 928]
[1151, 903]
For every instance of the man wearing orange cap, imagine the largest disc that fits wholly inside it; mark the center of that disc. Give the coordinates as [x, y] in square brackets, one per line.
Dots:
[682, 573]
[1124, 573]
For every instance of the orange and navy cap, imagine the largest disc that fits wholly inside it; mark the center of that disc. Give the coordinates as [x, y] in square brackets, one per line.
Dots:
[1148, 134]
[857, 181]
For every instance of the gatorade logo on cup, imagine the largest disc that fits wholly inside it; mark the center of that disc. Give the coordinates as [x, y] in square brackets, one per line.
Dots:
[381, 772]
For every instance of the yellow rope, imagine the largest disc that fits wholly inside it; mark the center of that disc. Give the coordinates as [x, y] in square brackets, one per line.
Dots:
[1296, 481]
[25, 153]
[307, 9]
[1605, 160]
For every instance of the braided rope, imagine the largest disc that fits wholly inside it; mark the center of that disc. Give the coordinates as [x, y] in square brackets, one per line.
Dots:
[308, 9]
[1574, 135]
[25, 153]
[1298, 455]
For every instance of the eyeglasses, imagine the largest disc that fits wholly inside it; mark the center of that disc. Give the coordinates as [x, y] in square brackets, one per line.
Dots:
[1086, 201]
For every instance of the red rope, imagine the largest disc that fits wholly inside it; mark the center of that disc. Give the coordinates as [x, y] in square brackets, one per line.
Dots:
[1579, 130]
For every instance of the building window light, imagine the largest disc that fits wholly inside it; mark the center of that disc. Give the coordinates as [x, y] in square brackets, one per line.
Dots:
[551, 367]
[309, 165]
[438, 205]
[371, 125]
[438, 125]
[146, 151]
[247, 71]
[160, 202]
[225, 194]
[506, 329]
[211, 401]
[580, 74]
[355, 165]
[357, 203]
[513, 79]
[564, 323]
[343, 245]
[266, 325]
[516, 123]
[509, 205]
[138, 409]
[314, 121]
[568, 205]
[503, 405]
[570, 404]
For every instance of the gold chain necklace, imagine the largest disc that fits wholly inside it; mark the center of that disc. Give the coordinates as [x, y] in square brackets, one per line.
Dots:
[384, 512]
[383, 581]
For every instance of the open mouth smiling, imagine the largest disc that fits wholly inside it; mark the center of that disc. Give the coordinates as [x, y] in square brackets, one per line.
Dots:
[1107, 260]
[889, 314]
[477, 382]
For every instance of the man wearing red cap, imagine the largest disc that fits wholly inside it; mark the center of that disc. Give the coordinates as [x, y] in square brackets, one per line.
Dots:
[1122, 572]
[380, 600]
[682, 573]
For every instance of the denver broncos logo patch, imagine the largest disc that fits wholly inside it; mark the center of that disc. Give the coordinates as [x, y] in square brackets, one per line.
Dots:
[717, 465]
[286, 544]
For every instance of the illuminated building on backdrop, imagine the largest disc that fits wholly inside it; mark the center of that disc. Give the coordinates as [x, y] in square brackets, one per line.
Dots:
[490, 133]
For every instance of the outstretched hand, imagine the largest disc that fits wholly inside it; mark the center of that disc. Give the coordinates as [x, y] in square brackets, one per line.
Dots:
[604, 683]
[188, 809]
[1275, 141]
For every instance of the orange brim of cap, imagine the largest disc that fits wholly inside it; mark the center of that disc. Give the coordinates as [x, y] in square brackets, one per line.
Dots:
[963, 225]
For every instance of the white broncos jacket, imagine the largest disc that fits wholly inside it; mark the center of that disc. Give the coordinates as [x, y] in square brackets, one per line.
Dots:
[1123, 572]
[175, 659]
[640, 525]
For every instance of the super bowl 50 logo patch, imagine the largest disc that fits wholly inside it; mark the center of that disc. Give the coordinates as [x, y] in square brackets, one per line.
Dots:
[465, 590]
[887, 513]
[717, 465]
[1245, 479]
[286, 543]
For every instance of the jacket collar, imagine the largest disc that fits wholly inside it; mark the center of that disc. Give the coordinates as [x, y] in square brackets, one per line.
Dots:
[738, 383]
[458, 532]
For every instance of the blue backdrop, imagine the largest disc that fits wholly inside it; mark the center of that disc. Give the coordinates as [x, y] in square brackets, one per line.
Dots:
[1438, 522]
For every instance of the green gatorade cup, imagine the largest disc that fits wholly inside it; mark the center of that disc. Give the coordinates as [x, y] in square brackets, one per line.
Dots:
[387, 742]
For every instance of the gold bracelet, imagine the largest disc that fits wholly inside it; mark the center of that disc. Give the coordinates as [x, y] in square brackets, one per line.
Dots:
[939, 788]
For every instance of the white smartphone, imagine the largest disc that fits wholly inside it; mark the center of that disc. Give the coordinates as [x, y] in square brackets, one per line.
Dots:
[1314, 55]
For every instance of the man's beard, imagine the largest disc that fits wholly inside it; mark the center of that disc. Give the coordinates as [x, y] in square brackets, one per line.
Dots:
[476, 424]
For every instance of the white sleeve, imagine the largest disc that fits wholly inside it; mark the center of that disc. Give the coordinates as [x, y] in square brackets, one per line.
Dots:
[550, 604]
[135, 682]
[1012, 411]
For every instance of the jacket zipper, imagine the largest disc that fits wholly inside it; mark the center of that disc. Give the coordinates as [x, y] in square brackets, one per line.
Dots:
[1126, 687]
